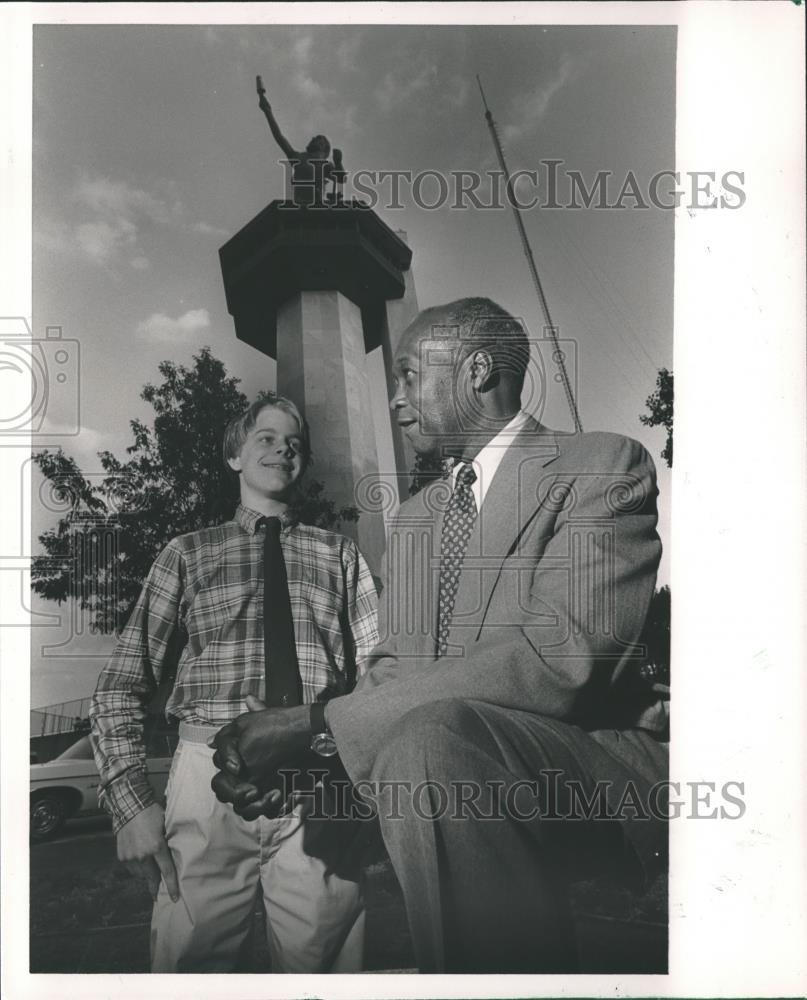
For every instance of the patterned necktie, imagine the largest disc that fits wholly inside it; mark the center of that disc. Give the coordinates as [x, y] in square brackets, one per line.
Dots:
[282, 671]
[457, 526]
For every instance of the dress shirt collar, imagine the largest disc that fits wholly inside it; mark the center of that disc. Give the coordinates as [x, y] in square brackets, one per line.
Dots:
[248, 519]
[487, 461]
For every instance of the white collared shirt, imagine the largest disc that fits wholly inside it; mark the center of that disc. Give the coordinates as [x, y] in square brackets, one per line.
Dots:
[489, 458]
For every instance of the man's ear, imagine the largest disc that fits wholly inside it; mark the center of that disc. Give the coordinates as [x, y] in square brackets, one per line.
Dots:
[235, 463]
[481, 369]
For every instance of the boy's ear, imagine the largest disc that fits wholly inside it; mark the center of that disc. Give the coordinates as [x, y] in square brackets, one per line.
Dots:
[235, 463]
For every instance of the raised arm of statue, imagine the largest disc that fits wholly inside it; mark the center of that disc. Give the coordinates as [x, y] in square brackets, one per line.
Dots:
[280, 139]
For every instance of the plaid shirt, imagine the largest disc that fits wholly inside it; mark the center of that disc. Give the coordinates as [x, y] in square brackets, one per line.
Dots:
[209, 585]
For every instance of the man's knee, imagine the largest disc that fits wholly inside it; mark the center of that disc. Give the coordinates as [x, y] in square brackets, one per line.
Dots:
[427, 740]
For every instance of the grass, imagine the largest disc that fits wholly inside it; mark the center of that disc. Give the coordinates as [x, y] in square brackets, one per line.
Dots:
[96, 920]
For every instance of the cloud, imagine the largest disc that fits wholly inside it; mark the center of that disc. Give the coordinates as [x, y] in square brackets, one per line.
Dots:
[301, 48]
[399, 86]
[102, 241]
[421, 79]
[308, 87]
[303, 78]
[527, 110]
[51, 234]
[303, 81]
[86, 443]
[207, 230]
[456, 93]
[119, 212]
[347, 51]
[160, 327]
[119, 199]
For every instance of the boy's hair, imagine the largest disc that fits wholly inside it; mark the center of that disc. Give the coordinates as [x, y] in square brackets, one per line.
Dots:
[235, 434]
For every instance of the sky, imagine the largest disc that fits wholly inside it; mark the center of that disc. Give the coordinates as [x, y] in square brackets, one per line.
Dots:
[150, 152]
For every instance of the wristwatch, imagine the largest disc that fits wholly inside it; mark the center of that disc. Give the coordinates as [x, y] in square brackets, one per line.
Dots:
[322, 741]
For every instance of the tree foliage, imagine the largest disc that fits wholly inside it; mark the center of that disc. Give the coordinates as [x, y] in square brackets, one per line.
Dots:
[173, 481]
[427, 468]
[660, 404]
[656, 636]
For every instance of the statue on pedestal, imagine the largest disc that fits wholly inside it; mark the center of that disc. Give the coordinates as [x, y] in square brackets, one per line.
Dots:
[311, 168]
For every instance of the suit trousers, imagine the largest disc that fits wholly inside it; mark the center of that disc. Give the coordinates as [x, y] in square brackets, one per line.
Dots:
[314, 920]
[475, 809]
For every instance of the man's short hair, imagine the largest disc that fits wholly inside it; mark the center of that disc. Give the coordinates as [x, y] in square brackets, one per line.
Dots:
[235, 434]
[485, 326]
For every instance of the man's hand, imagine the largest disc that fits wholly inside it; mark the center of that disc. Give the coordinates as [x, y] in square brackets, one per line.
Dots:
[257, 744]
[264, 105]
[246, 798]
[142, 847]
[249, 752]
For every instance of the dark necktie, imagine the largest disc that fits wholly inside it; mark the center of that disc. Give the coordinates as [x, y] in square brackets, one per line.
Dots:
[457, 526]
[282, 671]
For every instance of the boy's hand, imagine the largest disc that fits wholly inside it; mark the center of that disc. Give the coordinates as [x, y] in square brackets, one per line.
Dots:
[142, 847]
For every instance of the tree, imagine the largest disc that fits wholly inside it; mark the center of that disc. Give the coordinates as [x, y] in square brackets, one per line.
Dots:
[427, 468]
[660, 404]
[656, 636]
[174, 481]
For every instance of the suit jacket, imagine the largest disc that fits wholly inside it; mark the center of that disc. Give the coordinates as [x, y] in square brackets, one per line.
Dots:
[557, 579]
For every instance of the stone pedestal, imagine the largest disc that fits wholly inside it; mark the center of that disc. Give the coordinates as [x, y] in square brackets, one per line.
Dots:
[320, 288]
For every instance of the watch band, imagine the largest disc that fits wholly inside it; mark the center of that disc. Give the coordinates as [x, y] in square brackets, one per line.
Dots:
[317, 718]
[322, 742]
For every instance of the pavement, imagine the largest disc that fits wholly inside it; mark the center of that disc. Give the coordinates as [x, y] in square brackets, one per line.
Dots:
[89, 915]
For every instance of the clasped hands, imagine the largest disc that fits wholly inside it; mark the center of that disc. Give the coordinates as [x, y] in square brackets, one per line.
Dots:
[250, 752]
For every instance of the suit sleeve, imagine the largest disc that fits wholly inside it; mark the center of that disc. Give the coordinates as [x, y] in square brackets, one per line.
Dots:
[527, 665]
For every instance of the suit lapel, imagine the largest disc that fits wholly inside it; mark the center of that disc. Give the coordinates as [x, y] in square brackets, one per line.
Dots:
[422, 520]
[510, 504]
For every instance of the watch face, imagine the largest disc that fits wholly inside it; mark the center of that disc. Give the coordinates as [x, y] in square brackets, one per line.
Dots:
[324, 744]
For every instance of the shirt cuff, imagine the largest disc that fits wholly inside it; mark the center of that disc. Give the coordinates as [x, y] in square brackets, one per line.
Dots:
[127, 796]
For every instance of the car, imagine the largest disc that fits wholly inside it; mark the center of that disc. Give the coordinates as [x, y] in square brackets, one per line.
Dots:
[67, 786]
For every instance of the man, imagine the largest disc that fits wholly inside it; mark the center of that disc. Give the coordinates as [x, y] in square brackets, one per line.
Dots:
[268, 608]
[503, 706]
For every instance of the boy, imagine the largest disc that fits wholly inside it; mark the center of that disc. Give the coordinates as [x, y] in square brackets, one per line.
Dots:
[300, 639]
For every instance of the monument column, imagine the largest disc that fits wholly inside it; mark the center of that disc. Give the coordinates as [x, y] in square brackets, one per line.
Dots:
[316, 288]
[398, 314]
[321, 364]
